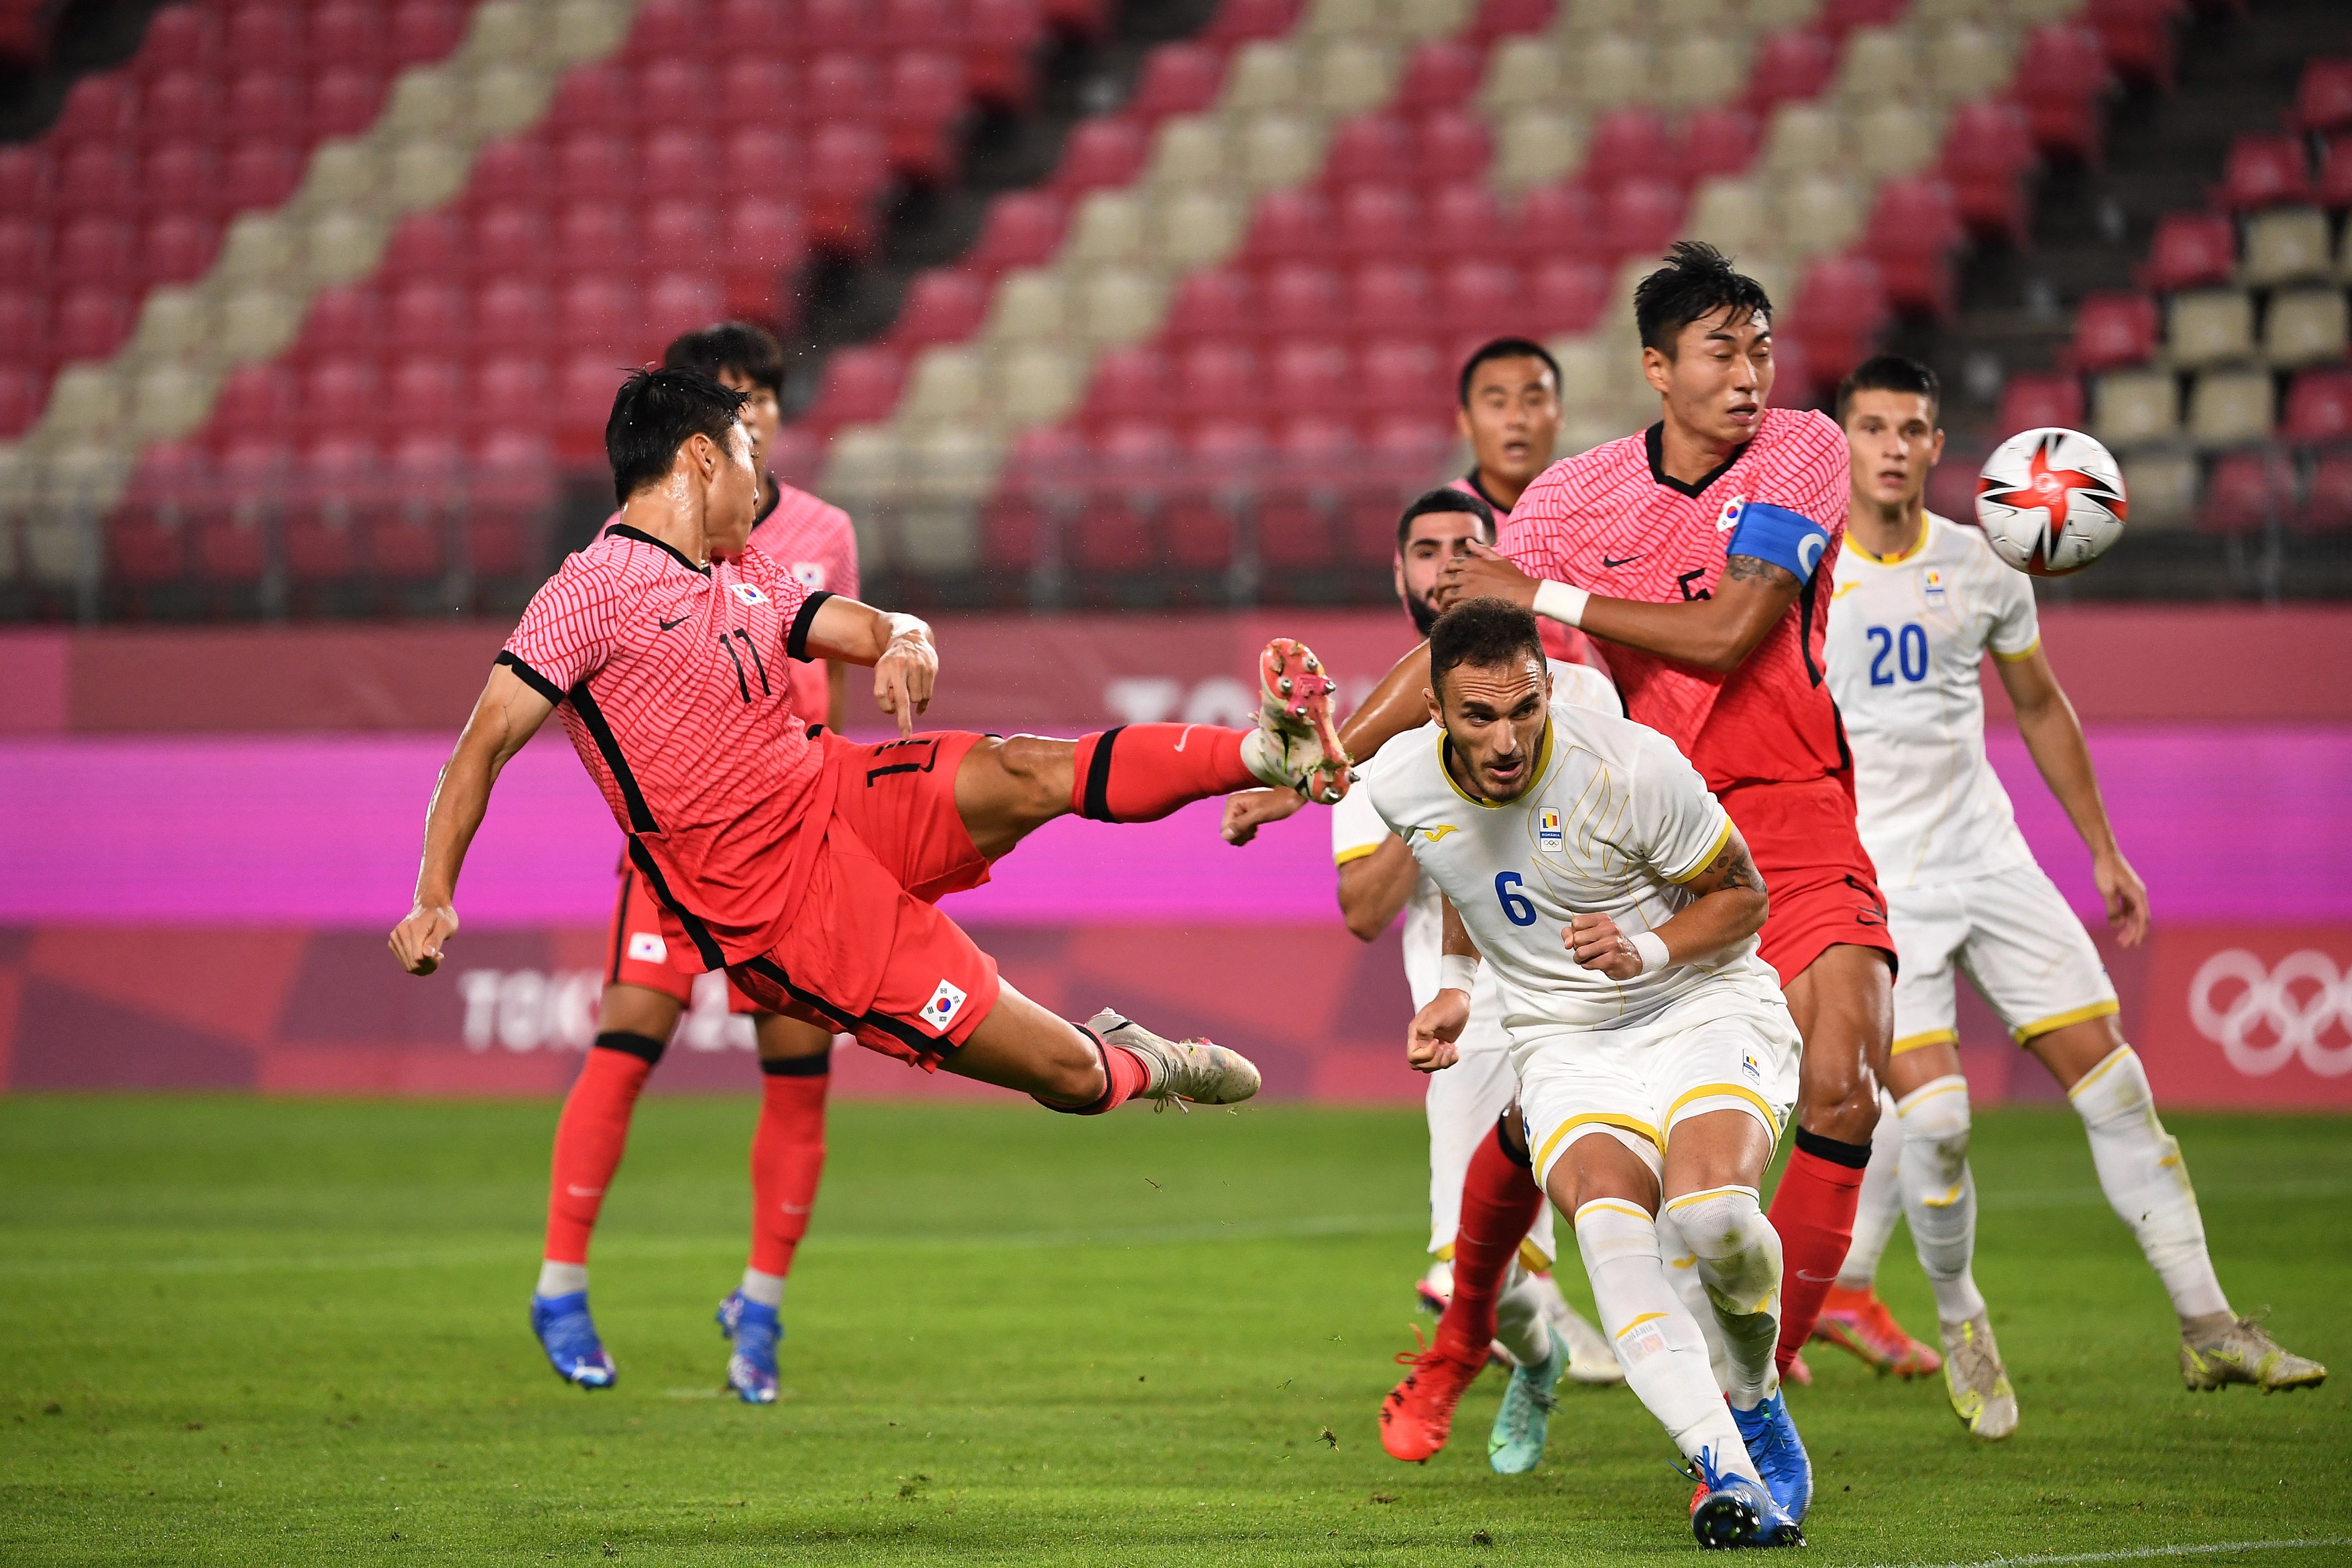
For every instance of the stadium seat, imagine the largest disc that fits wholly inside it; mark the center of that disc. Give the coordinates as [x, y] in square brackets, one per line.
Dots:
[1371, 147]
[2323, 101]
[518, 170]
[2060, 80]
[1477, 299]
[2136, 36]
[180, 103]
[2328, 504]
[90, 323]
[2332, 186]
[1986, 153]
[1384, 297]
[2163, 487]
[511, 483]
[1114, 535]
[943, 304]
[2305, 326]
[512, 314]
[2230, 407]
[1242, 21]
[2209, 326]
[1556, 221]
[2319, 408]
[1499, 19]
[1130, 384]
[2136, 406]
[343, 33]
[2245, 492]
[1218, 301]
[1640, 217]
[1399, 375]
[1024, 229]
[1176, 79]
[1718, 141]
[1309, 375]
[1837, 309]
[332, 482]
[1565, 296]
[1290, 226]
[95, 250]
[1219, 377]
[1796, 64]
[1440, 74]
[2264, 170]
[2031, 400]
[2286, 244]
[1914, 228]
[1101, 152]
[1634, 144]
[2189, 249]
[861, 384]
[1297, 298]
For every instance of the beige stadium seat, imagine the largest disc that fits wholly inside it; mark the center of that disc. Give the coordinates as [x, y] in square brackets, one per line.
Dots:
[84, 398]
[258, 246]
[506, 98]
[1584, 18]
[2025, 14]
[1733, 215]
[1928, 14]
[175, 322]
[1699, 70]
[947, 385]
[1335, 18]
[1035, 385]
[2163, 490]
[2229, 407]
[1963, 61]
[1609, 69]
[1350, 76]
[2209, 326]
[169, 400]
[2134, 407]
[1119, 305]
[1108, 227]
[1819, 214]
[1521, 73]
[424, 100]
[1188, 150]
[425, 173]
[1587, 379]
[1677, 18]
[2288, 245]
[1196, 228]
[862, 470]
[1776, 15]
[1421, 20]
[587, 29]
[499, 31]
[1878, 63]
[2305, 326]
[345, 172]
[259, 322]
[340, 246]
[1801, 139]
[1890, 139]
[1276, 148]
[951, 471]
[1537, 146]
[1031, 305]
[1262, 75]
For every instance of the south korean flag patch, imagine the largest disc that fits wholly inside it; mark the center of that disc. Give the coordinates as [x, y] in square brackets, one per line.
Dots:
[1729, 517]
[944, 1004]
[747, 593]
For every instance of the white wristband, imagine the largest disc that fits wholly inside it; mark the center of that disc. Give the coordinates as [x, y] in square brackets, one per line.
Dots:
[1455, 972]
[1562, 602]
[1653, 949]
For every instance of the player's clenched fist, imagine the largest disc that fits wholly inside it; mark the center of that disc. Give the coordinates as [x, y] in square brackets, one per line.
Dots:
[1594, 942]
[416, 940]
[1429, 1048]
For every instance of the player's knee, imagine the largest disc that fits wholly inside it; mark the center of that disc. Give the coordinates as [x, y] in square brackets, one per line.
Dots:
[1738, 1250]
[1936, 1130]
[1841, 1099]
[1038, 770]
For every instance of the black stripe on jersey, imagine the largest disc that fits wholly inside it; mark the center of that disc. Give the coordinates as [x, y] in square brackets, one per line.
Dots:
[897, 1028]
[705, 945]
[641, 816]
[796, 640]
[620, 930]
[1805, 597]
[530, 677]
[623, 530]
[1097, 804]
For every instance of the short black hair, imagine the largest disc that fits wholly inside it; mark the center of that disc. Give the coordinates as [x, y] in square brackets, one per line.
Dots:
[1891, 373]
[653, 414]
[1484, 633]
[1697, 281]
[1506, 348]
[1445, 498]
[749, 350]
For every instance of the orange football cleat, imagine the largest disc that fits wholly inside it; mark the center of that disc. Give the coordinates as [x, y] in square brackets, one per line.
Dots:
[1857, 1320]
[1418, 1414]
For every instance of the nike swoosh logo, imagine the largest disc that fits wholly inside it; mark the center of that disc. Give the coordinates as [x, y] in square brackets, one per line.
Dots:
[1817, 1278]
[584, 1191]
[1628, 561]
[667, 626]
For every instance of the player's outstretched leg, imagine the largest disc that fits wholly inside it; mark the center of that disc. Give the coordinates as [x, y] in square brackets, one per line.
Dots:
[1086, 1070]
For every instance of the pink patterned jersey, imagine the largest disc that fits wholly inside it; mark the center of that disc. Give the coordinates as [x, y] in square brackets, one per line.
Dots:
[814, 540]
[1559, 642]
[670, 679]
[1611, 522]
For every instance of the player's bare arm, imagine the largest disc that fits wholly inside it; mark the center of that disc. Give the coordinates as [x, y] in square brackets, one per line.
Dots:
[1715, 633]
[1430, 1043]
[1373, 887]
[1730, 907]
[2053, 735]
[508, 713]
[898, 647]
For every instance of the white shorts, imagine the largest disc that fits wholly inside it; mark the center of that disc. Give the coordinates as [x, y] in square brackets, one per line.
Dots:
[1708, 1051]
[2011, 933]
[1464, 1102]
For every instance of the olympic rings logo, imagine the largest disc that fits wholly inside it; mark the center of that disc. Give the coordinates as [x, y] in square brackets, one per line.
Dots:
[2262, 1019]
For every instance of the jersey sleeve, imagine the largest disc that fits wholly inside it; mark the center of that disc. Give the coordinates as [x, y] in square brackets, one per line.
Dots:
[796, 605]
[566, 631]
[1530, 537]
[1798, 509]
[1685, 824]
[1586, 687]
[2016, 621]
[1357, 829]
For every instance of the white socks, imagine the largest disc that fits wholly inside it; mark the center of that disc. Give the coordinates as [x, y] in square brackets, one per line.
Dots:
[1681, 1273]
[1940, 1194]
[1519, 1325]
[768, 1289]
[561, 1278]
[1880, 1204]
[1656, 1340]
[2140, 1168]
[1739, 1255]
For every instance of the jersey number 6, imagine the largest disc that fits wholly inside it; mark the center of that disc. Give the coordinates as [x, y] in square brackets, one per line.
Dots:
[1516, 907]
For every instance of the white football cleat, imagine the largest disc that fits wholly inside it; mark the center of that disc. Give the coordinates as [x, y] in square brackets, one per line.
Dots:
[2240, 1351]
[1199, 1071]
[1976, 1382]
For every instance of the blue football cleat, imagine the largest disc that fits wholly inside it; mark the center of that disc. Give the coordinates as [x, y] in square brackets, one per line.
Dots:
[1517, 1444]
[756, 1329]
[1732, 1511]
[1779, 1454]
[568, 1334]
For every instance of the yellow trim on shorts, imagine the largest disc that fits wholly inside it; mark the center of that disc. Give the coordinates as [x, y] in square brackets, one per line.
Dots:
[1619, 1205]
[2060, 1020]
[1707, 1192]
[1704, 861]
[1605, 1119]
[1341, 857]
[2028, 652]
[2097, 1073]
[1645, 1318]
[1920, 1042]
[1737, 1091]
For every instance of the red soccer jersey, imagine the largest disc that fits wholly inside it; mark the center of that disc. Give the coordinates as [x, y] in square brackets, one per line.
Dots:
[814, 540]
[1611, 522]
[1564, 643]
[670, 678]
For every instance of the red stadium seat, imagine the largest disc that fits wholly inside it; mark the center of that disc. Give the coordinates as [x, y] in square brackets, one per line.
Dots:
[25, 251]
[1309, 375]
[2327, 507]
[1555, 221]
[147, 540]
[599, 96]
[679, 230]
[1795, 64]
[1024, 229]
[1986, 152]
[583, 401]
[183, 177]
[755, 92]
[2136, 35]
[1218, 378]
[25, 325]
[1377, 220]
[265, 34]
[1136, 459]
[513, 390]
[1465, 212]
[345, 33]
[182, 36]
[94, 249]
[2264, 170]
[1631, 143]
[2324, 100]
[426, 245]
[25, 180]
[674, 163]
[1371, 147]
[595, 166]
[91, 324]
[679, 302]
[1839, 17]
[231, 546]
[861, 384]
[517, 170]
[1297, 298]
[2112, 330]
[2188, 250]
[763, 162]
[1479, 298]
[1130, 384]
[20, 400]
[847, 166]
[1101, 151]
[1641, 218]
[1197, 522]
[1295, 510]
[1290, 226]
[916, 24]
[1564, 297]
[597, 237]
[1839, 310]
[667, 27]
[834, 24]
[180, 102]
[766, 244]
[1219, 301]
[1455, 146]
[926, 98]
[425, 317]
[512, 242]
[263, 103]
[603, 314]
[1386, 297]
[998, 39]
[1241, 21]
[101, 108]
[2061, 79]
[337, 394]
[175, 247]
[97, 177]
[2244, 493]
[1440, 73]
[2333, 185]
[254, 400]
[1510, 19]
[1793, 383]
[1719, 141]
[1176, 79]
[2319, 408]
[512, 485]
[332, 484]
[1400, 375]
[1016, 524]
[1915, 229]
[258, 175]
[512, 314]
[943, 305]
[344, 102]
[2031, 400]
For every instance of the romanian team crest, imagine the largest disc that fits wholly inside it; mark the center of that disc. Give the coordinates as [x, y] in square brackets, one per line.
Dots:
[747, 593]
[1729, 517]
[1748, 1065]
[1549, 836]
[1932, 585]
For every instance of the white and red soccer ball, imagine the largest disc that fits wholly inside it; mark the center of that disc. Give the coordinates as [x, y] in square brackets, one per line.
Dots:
[2050, 500]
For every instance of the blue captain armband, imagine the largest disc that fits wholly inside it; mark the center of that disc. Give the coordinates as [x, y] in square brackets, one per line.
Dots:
[1788, 539]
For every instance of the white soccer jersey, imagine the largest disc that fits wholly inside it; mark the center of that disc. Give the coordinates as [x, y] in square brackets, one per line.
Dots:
[1357, 829]
[1907, 635]
[1614, 822]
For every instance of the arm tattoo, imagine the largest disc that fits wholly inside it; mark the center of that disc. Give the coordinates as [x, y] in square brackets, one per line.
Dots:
[1731, 870]
[1749, 569]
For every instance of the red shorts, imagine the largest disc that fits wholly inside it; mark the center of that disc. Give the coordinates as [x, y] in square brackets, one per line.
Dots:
[869, 953]
[640, 953]
[1824, 891]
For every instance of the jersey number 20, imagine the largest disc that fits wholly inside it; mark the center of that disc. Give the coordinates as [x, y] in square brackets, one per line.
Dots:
[1909, 648]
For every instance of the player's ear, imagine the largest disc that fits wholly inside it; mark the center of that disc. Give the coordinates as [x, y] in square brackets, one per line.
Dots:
[1936, 452]
[1436, 712]
[1656, 369]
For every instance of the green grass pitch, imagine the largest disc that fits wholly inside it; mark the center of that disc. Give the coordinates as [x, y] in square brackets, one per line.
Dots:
[243, 1331]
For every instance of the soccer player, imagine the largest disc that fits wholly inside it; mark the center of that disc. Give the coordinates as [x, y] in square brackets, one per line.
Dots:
[1614, 903]
[1703, 540]
[807, 865]
[645, 994]
[1919, 601]
[1508, 393]
[1378, 880]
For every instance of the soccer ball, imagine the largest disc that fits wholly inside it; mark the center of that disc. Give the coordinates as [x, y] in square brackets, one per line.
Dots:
[2051, 501]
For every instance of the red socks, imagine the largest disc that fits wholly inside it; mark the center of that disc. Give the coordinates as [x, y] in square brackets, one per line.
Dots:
[1141, 772]
[787, 1157]
[590, 1137]
[1124, 1076]
[1813, 1211]
[1499, 1201]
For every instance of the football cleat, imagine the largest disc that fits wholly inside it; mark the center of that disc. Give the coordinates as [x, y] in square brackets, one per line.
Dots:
[1857, 1320]
[568, 1334]
[1201, 1071]
[756, 1328]
[1418, 1414]
[1435, 1287]
[1297, 743]
[1732, 1511]
[1977, 1381]
[1797, 1372]
[2241, 1352]
[1517, 1443]
[1779, 1454]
